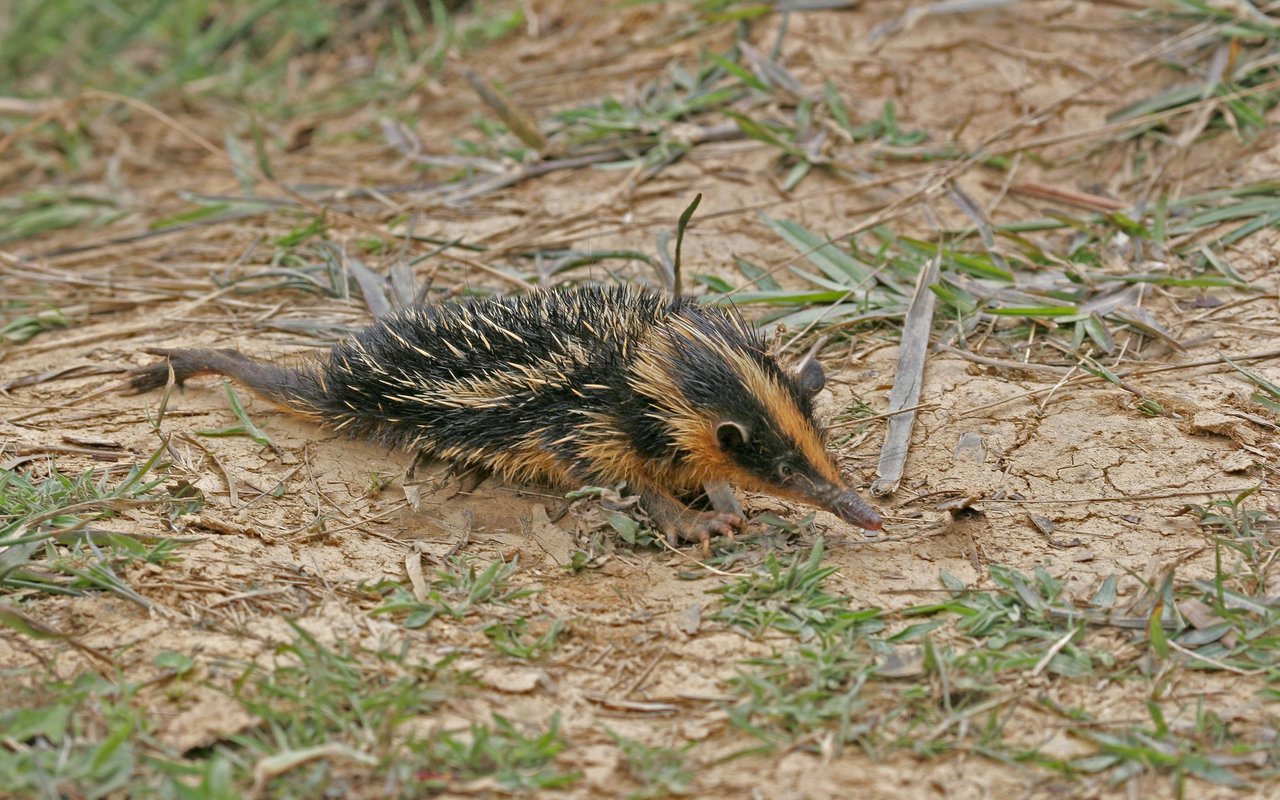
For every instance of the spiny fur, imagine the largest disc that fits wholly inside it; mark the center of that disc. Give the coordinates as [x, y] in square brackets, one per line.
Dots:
[590, 385]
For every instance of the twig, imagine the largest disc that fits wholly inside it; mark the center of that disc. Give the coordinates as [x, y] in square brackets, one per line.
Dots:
[663, 541]
[1051, 652]
[718, 133]
[1001, 362]
[1044, 191]
[885, 415]
[1215, 662]
[1228, 490]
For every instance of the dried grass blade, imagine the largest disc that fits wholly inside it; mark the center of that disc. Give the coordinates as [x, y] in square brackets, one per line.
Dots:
[1144, 321]
[373, 287]
[1070, 197]
[907, 383]
[34, 628]
[980, 220]
[520, 123]
[769, 71]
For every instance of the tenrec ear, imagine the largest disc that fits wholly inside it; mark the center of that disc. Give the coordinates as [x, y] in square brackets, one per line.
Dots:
[811, 377]
[731, 435]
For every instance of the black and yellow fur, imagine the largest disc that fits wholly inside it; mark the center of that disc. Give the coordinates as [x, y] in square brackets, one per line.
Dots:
[578, 386]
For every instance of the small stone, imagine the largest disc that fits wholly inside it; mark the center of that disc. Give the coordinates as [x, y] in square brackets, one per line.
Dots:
[513, 680]
[1238, 461]
[971, 448]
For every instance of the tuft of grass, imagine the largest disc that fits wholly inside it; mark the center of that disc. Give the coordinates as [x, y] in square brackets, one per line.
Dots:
[154, 45]
[247, 426]
[885, 127]
[47, 544]
[1269, 396]
[860, 686]
[302, 260]
[458, 590]
[1015, 627]
[816, 695]
[356, 704]
[869, 281]
[808, 695]
[660, 771]
[814, 692]
[1235, 62]
[722, 96]
[517, 639]
[1241, 629]
[1251, 533]
[78, 738]
[34, 213]
[1031, 295]
[1205, 752]
[790, 599]
[318, 710]
[20, 328]
[516, 761]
